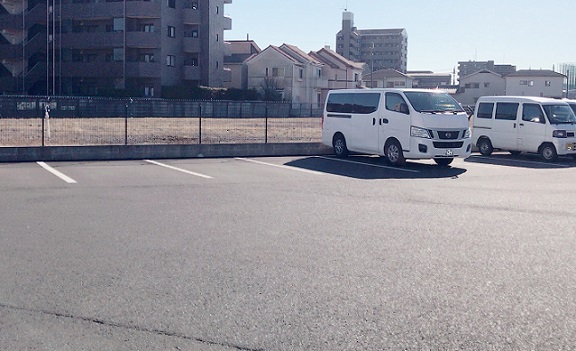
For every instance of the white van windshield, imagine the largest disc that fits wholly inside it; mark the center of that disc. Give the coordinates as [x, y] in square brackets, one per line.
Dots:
[559, 114]
[433, 102]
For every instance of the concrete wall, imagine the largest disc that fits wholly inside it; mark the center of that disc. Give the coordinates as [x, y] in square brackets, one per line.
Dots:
[138, 152]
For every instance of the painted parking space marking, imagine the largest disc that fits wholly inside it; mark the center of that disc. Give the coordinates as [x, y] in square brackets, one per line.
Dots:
[280, 166]
[369, 164]
[179, 169]
[56, 173]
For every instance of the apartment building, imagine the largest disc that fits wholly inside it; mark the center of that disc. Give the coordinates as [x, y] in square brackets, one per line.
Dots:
[379, 48]
[466, 68]
[95, 47]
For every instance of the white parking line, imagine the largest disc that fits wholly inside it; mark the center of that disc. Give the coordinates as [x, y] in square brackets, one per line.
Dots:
[56, 173]
[178, 169]
[369, 164]
[280, 166]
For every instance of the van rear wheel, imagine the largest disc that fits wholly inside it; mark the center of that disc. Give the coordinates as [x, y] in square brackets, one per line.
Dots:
[548, 153]
[485, 147]
[339, 144]
[394, 154]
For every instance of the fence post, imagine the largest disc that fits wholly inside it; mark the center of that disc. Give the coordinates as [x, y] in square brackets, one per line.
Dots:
[41, 118]
[126, 121]
[266, 124]
[199, 123]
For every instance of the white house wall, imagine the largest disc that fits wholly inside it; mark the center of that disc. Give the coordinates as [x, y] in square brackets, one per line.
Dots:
[535, 86]
[489, 84]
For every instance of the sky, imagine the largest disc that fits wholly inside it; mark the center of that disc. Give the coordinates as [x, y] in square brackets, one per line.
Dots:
[530, 34]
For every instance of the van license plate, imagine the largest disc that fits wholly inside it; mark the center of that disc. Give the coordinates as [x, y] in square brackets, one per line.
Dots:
[449, 153]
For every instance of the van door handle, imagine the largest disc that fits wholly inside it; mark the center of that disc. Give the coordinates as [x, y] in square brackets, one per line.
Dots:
[514, 125]
[373, 121]
[385, 120]
[521, 124]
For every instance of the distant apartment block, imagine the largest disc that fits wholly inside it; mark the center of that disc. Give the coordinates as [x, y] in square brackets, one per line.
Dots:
[379, 48]
[91, 46]
[466, 68]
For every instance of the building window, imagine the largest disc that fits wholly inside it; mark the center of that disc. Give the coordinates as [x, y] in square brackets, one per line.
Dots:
[170, 60]
[118, 24]
[146, 58]
[118, 54]
[149, 28]
[301, 75]
[171, 32]
[171, 4]
[548, 83]
[278, 72]
[148, 91]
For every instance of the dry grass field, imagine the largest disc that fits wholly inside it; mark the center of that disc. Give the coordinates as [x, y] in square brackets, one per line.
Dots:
[153, 130]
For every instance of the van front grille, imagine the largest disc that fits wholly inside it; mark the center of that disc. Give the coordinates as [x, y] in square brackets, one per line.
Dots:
[448, 145]
[448, 134]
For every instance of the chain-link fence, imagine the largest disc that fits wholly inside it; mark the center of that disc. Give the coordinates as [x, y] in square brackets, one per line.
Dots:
[74, 121]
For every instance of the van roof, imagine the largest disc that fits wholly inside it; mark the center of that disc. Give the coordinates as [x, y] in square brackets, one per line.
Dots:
[372, 90]
[537, 99]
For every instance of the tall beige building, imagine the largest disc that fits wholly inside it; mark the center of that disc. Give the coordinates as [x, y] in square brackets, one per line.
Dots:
[94, 47]
[379, 48]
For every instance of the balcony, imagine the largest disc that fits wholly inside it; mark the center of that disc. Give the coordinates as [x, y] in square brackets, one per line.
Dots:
[191, 73]
[92, 69]
[93, 11]
[143, 69]
[143, 9]
[145, 40]
[191, 45]
[106, 10]
[93, 40]
[190, 16]
[227, 23]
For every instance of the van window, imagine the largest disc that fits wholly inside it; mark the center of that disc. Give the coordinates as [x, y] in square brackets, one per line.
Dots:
[363, 103]
[506, 110]
[559, 114]
[395, 102]
[532, 113]
[485, 110]
[433, 102]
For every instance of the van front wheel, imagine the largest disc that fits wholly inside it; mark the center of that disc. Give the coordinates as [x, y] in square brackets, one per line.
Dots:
[548, 153]
[339, 145]
[393, 153]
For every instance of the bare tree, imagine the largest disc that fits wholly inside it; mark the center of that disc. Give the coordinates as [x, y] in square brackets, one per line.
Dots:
[270, 89]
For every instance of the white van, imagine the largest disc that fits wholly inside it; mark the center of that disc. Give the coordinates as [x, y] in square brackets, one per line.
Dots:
[524, 124]
[399, 124]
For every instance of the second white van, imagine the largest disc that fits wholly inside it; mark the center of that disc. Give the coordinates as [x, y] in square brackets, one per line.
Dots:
[524, 124]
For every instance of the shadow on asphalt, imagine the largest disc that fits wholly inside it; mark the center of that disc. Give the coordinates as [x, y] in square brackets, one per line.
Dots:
[522, 161]
[371, 167]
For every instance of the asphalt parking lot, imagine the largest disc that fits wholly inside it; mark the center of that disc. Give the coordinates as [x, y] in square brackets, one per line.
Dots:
[301, 253]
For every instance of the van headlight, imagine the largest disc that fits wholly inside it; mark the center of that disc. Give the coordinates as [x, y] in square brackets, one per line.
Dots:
[467, 133]
[559, 134]
[420, 132]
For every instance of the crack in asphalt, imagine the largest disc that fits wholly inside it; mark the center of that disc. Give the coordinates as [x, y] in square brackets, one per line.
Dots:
[129, 327]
